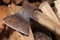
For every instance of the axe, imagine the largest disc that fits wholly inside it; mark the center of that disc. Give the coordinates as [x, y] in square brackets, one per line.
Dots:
[21, 20]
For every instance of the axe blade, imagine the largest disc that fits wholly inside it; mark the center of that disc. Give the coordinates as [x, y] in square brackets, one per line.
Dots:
[18, 22]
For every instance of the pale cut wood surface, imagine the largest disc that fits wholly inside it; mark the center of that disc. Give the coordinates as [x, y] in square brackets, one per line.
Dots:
[47, 22]
[13, 9]
[46, 9]
[57, 5]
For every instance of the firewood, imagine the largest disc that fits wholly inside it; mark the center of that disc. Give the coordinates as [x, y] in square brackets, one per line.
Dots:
[2, 15]
[41, 36]
[57, 5]
[46, 9]
[13, 9]
[46, 21]
[18, 1]
[6, 1]
[18, 36]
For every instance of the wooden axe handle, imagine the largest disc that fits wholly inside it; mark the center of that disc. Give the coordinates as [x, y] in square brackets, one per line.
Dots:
[46, 21]
[46, 9]
[57, 5]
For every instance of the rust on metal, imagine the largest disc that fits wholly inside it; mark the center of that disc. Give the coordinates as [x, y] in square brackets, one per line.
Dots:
[19, 21]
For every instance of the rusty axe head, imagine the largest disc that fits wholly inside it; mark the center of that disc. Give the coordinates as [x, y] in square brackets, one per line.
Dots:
[20, 20]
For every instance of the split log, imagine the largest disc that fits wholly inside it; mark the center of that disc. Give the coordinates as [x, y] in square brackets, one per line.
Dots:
[46, 9]
[18, 1]
[46, 21]
[6, 1]
[57, 5]
[2, 15]
[18, 36]
[13, 9]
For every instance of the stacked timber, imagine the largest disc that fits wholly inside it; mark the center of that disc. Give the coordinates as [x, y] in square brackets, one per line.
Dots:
[45, 20]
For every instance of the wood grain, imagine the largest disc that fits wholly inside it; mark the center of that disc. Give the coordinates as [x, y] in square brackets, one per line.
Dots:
[57, 5]
[46, 9]
[47, 22]
[18, 36]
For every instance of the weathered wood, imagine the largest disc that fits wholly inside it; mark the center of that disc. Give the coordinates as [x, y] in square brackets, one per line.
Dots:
[46, 21]
[46, 9]
[18, 36]
[13, 9]
[18, 1]
[57, 5]
[6, 1]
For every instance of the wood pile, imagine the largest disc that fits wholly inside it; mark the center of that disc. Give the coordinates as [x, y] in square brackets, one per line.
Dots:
[45, 20]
